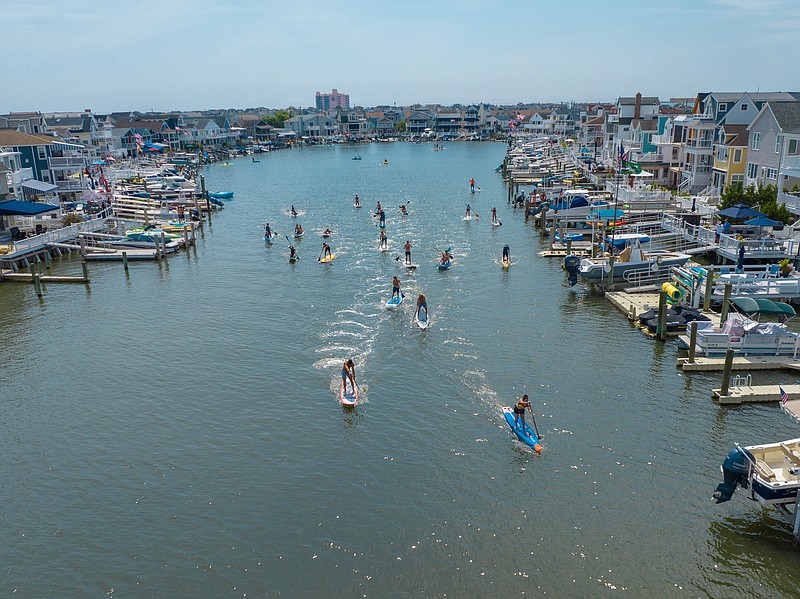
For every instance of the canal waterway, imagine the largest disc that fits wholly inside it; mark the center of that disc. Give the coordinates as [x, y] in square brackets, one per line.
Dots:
[175, 432]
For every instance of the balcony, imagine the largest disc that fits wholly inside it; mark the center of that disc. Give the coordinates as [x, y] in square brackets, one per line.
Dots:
[72, 185]
[650, 157]
[74, 162]
[698, 143]
[791, 166]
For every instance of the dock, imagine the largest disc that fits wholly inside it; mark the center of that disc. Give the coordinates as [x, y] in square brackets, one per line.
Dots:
[759, 394]
[703, 364]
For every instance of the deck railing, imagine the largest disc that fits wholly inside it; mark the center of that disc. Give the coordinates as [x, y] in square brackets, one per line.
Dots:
[56, 235]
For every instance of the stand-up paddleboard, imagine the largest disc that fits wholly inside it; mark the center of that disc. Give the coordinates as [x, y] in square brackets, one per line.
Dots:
[523, 433]
[326, 259]
[293, 259]
[505, 263]
[444, 266]
[326, 235]
[382, 225]
[394, 302]
[383, 248]
[467, 218]
[268, 238]
[421, 319]
[410, 266]
[496, 223]
[357, 205]
[299, 235]
[348, 398]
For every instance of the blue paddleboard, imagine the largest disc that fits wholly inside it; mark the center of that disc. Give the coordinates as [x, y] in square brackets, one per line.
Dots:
[523, 433]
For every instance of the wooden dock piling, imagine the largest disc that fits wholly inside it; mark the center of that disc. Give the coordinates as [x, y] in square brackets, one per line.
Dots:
[125, 261]
[726, 373]
[692, 341]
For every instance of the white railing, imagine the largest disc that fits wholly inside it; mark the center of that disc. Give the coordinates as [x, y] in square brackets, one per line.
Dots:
[67, 161]
[56, 235]
[790, 163]
[72, 185]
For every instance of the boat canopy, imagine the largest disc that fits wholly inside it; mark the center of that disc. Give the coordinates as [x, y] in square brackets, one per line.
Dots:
[752, 306]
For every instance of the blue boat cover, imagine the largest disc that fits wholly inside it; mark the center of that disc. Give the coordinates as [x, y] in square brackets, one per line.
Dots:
[18, 208]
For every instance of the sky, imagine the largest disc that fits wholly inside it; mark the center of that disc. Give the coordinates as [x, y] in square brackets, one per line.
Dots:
[69, 55]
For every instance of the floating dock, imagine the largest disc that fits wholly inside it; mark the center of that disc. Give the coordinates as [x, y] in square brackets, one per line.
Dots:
[758, 393]
[703, 364]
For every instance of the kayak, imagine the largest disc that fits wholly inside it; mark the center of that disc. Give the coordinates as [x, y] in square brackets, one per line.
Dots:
[327, 258]
[349, 398]
[421, 319]
[394, 302]
[444, 266]
[523, 433]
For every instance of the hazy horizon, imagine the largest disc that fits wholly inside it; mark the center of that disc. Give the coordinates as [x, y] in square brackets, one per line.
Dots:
[185, 54]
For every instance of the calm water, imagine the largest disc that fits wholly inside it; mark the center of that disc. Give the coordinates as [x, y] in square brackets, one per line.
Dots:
[176, 432]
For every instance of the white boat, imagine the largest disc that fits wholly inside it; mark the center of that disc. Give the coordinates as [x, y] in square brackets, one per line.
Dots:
[771, 471]
[746, 337]
[632, 258]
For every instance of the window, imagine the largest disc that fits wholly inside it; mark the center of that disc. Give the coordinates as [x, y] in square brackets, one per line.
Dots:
[737, 179]
[737, 155]
[723, 107]
[756, 140]
[722, 155]
[744, 106]
[772, 173]
[41, 152]
[792, 146]
[46, 175]
[778, 143]
[752, 170]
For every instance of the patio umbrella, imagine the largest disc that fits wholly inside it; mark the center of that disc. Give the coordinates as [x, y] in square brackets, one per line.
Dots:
[763, 221]
[98, 163]
[739, 211]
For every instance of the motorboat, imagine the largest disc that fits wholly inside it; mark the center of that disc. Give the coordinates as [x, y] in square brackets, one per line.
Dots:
[632, 259]
[771, 472]
[745, 336]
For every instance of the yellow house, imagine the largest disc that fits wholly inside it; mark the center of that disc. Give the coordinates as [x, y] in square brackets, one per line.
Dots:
[730, 157]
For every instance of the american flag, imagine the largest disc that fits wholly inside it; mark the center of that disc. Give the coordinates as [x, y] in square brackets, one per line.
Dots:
[784, 396]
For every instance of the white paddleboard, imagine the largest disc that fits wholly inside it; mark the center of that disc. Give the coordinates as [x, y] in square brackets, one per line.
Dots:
[421, 323]
[350, 398]
[394, 302]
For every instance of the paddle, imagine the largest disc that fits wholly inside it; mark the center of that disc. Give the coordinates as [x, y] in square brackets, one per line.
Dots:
[536, 428]
[320, 253]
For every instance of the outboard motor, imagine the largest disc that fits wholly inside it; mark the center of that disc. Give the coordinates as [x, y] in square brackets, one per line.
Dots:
[735, 470]
[571, 264]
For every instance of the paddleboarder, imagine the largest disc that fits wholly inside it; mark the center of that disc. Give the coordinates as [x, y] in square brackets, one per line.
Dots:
[468, 211]
[422, 304]
[519, 410]
[378, 209]
[382, 218]
[349, 372]
[472, 185]
[356, 203]
[267, 231]
[407, 248]
[326, 250]
[506, 253]
[298, 230]
[494, 215]
[293, 211]
[292, 252]
[384, 241]
[395, 287]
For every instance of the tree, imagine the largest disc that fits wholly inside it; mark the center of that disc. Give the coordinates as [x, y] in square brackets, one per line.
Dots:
[400, 127]
[763, 199]
[280, 117]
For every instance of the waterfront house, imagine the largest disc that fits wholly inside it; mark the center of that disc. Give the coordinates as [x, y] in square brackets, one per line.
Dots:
[32, 123]
[314, 126]
[419, 121]
[447, 122]
[730, 154]
[773, 156]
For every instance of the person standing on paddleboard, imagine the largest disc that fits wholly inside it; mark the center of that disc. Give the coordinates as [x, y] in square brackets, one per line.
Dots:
[494, 215]
[356, 202]
[472, 184]
[326, 250]
[349, 372]
[382, 218]
[378, 209]
[267, 231]
[519, 410]
[395, 287]
[384, 241]
[407, 248]
[422, 304]
[293, 211]
[468, 211]
[506, 253]
[292, 252]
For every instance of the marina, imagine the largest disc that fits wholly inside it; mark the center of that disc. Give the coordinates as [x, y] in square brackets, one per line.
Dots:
[216, 446]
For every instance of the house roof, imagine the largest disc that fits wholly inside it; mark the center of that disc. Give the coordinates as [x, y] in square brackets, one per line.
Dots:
[154, 125]
[646, 124]
[13, 138]
[787, 114]
[738, 135]
[599, 120]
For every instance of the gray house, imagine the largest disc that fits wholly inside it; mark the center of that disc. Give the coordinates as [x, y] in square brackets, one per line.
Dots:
[773, 157]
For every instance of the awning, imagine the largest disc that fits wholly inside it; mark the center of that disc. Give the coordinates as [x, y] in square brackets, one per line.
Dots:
[18, 208]
[39, 186]
[751, 306]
